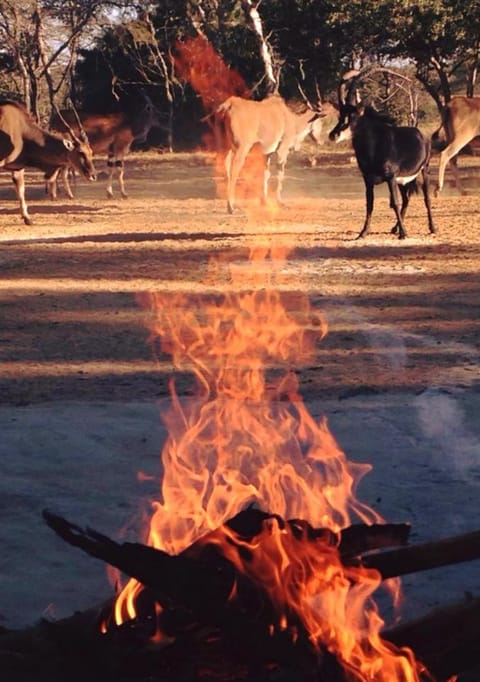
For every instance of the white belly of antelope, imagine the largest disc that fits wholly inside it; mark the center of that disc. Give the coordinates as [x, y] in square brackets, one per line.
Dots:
[404, 180]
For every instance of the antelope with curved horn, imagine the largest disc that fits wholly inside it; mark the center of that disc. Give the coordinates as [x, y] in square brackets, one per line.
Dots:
[112, 133]
[52, 172]
[385, 152]
[24, 143]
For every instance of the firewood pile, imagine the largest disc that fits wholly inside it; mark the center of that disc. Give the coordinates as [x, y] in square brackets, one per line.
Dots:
[209, 637]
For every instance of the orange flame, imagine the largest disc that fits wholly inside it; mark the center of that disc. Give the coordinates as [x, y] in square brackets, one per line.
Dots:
[246, 437]
[309, 584]
[197, 63]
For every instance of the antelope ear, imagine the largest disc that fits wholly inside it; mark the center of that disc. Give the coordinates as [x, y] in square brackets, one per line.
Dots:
[68, 144]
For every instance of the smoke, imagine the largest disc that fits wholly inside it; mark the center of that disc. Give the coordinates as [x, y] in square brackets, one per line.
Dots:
[439, 410]
[442, 421]
[389, 345]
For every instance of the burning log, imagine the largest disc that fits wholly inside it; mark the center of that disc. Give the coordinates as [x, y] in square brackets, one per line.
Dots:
[149, 565]
[361, 538]
[193, 589]
[177, 580]
[201, 575]
[423, 557]
[233, 649]
[195, 586]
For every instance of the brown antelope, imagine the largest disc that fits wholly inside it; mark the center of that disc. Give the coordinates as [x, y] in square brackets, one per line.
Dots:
[24, 143]
[272, 124]
[111, 133]
[460, 124]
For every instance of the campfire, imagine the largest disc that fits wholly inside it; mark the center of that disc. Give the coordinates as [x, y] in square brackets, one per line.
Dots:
[259, 562]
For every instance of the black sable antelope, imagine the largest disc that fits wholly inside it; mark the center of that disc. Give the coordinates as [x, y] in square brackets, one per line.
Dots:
[112, 134]
[23, 143]
[385, 152]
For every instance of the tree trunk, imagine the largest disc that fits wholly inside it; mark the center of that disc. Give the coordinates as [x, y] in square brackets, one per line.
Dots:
[471, 80]
[251, 10]
[26, 84]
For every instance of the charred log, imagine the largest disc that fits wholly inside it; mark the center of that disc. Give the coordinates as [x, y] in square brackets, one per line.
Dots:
[176, 581]
[196, 584]
[194, 589]
[203, 574]
[424, 557]
[360, 538]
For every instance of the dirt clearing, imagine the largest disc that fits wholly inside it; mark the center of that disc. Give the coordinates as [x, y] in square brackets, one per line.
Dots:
[402, 315]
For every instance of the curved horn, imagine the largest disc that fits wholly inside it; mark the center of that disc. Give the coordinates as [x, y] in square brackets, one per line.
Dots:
[319, 95]
[345, 91]
[83, 133]
[66, 124]
[349, 95]
[302, 94]
[114, 82]
[317, 108]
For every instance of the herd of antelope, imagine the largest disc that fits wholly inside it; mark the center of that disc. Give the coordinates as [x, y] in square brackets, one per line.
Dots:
[385, 152]
[70, 145]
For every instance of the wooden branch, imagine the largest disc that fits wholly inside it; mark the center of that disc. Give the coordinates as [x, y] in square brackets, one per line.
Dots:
[358, 539]
[195, 587]
[177, 581]
[146, 564]
[423, 557]
[200, 579]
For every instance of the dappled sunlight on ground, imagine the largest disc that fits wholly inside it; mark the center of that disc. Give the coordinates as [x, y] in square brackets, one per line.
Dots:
[401, 313]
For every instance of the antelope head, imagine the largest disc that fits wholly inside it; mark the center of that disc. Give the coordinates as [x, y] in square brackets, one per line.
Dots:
[78, 146]
[348, 105]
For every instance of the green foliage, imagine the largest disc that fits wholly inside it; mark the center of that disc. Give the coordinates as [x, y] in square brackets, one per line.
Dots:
[441, 38]
[311, 43]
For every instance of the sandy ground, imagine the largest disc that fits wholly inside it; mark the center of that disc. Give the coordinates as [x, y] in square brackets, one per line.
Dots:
[71, 327]
[397, 374]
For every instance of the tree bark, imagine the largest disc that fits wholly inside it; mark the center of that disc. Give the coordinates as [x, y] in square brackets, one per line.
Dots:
[251, 10]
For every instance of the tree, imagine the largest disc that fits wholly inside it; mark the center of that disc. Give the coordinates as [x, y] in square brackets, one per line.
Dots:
[272, 45]
[41, 39]
[165, 46]
[442, 39]
[319, 41]
[136, 53]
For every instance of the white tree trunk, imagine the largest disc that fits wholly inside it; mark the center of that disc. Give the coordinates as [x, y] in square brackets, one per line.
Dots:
[251, 9]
